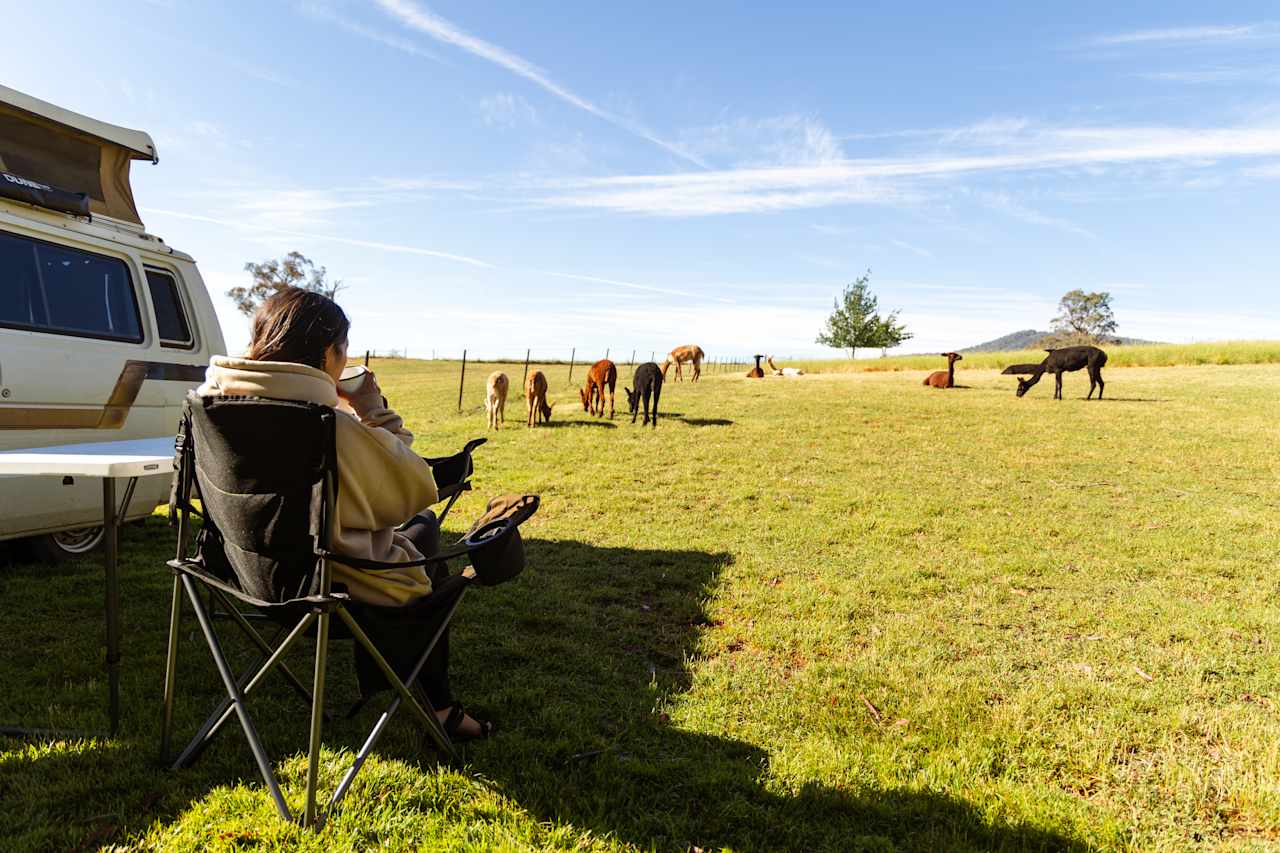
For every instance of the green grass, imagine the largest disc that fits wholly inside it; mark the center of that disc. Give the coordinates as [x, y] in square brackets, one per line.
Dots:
[1144, 355]
[838, 612]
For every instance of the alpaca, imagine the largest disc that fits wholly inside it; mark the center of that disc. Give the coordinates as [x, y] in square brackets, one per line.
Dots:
[945, 378]
[603, 373]
[495, 398]
[783, 371]
[679, 355]
[535, 396]
[648, 380]
[756, 372]
[1066, 360]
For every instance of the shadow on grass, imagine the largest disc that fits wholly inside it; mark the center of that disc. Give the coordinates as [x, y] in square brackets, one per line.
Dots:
[1132, 400]
[572, 658]
[592, 638]
[706, 422]
[563, 424]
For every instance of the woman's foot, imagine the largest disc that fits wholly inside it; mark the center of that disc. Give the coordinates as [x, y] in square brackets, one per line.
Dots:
[461, 727]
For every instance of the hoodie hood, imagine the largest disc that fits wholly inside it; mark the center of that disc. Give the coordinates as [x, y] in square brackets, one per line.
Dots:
[279, 380]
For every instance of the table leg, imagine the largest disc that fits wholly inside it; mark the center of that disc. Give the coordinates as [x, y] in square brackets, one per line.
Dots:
[111, 557]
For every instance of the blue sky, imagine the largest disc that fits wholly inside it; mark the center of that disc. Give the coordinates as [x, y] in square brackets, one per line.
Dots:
[501, 175]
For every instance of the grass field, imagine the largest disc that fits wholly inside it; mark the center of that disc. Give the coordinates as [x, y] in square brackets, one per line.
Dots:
[840, 612]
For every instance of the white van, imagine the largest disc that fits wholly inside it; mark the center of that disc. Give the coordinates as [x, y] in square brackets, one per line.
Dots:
[103, 327]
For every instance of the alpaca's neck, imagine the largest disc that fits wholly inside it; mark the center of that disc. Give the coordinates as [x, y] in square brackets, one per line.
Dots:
[951, 373]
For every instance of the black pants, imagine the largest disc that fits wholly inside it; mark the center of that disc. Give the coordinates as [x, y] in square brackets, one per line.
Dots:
[402, 637]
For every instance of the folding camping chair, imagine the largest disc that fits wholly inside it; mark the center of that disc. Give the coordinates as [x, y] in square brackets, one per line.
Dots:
[267, 498]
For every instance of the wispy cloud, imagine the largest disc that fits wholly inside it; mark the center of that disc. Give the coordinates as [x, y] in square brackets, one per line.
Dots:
[1213, 75]
[241, 225]
[1189, 35]
[1267, 170]
[908, 179]
[915, 250]
[327, 14]
[1004, 203]
[424, 21]
[775, 141]
[506, 110]
[629, 285]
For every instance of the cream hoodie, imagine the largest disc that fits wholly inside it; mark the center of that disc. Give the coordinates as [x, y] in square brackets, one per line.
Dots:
[381, 482]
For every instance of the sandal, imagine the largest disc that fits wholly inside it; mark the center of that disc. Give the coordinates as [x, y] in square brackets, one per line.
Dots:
[454, 722]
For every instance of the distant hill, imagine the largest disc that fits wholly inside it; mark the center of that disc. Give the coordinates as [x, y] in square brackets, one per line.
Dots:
[1028, 339]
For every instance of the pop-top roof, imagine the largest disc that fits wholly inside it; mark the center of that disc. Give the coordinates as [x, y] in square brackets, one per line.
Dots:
[54, 153]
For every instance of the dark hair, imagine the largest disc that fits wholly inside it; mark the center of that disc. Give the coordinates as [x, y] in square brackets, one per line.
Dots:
[297, 325]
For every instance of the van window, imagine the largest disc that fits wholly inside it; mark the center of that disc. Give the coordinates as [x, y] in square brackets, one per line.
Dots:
[171, 319]
[45, 287]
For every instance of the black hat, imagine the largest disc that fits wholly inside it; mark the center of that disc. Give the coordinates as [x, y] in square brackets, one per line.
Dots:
[494, 544]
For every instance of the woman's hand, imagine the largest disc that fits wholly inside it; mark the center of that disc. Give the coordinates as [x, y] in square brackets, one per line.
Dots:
[366, 395]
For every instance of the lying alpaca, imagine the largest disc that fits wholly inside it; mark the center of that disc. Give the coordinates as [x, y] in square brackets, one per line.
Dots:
[648, 380]
[945, 378]
[535, 396]
[783, 371]
[495, 398]
[602, 375]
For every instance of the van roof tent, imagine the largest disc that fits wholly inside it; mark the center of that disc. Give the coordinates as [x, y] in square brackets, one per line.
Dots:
[45, 143]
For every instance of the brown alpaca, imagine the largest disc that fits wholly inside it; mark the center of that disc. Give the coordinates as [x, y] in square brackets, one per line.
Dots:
[945, 378]
[495, 398]
[679, 355]
[603, 374]
[535, 396]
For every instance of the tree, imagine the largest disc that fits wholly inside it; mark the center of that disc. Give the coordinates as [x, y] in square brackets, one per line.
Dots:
[1084, 318]
[271, 276]
[854, 322]
[890, 333]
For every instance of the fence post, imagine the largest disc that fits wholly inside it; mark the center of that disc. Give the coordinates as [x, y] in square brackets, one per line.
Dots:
[633, 359]
[526, 371]
[462, 378]
[366, 358]
[606, 353]
[572, 355]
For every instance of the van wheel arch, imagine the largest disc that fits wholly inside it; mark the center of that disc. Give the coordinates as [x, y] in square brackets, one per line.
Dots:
[65, 545]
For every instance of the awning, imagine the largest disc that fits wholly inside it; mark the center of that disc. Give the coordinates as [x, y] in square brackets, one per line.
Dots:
[71, 153]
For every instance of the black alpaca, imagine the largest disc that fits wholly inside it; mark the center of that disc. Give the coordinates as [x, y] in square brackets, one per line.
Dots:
[1062, 361]
[648, 381]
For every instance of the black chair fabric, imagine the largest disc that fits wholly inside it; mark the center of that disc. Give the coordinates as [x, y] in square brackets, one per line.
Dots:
[263, 491]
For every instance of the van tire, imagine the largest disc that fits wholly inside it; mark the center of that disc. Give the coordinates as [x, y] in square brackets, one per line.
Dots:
[65, 545]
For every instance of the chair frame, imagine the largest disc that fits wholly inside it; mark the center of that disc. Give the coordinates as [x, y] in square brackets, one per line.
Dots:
[318, 611]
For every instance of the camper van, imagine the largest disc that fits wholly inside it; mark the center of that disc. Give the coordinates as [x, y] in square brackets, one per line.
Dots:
[103, 327]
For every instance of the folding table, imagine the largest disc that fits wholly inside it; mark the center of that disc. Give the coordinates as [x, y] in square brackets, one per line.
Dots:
[110, 461]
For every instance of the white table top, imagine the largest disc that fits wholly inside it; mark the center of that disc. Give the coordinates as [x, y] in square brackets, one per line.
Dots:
[138, 457]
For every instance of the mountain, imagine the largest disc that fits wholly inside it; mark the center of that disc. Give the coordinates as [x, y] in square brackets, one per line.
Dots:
[1030, 339]
[1026, 339]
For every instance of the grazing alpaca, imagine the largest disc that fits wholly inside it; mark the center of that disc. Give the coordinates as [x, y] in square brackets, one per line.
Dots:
[603, 374]
[648, 380]
[495, 398]
[1065, 360]
[535, 396]
[945, 378]
[783, 371]
[679, 355]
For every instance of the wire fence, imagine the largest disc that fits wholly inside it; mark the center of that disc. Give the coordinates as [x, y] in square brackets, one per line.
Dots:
[563, 371]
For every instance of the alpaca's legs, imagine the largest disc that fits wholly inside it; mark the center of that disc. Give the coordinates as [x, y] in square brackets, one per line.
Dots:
[1057, 388]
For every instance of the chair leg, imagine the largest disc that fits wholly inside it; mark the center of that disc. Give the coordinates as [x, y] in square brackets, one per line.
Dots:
[170, 670]
[259, 671]
[254, 637]
[317, 716]
[233, 690]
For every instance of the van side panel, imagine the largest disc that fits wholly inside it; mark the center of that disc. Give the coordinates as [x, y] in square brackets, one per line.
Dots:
[66, 389]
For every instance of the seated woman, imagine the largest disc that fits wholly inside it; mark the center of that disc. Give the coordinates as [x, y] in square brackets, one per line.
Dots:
[298, 352]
